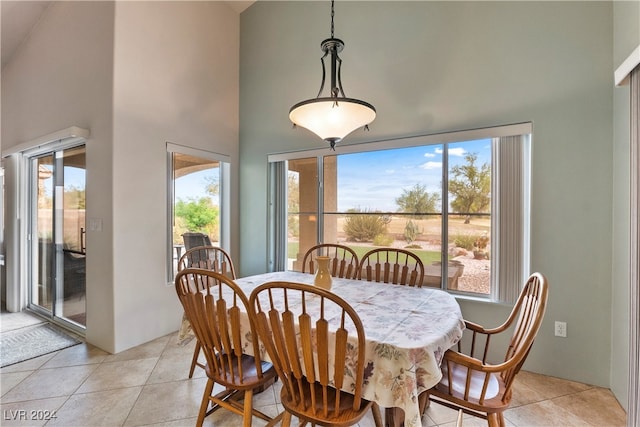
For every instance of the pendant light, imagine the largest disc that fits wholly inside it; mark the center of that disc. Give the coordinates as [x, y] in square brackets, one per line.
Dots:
[334, 116]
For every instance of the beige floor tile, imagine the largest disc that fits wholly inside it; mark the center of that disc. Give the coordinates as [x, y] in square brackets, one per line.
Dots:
[184, 422]
[104, 408]
[81, 354]
[224, 418]
[148, 386]
[28, 365]
[127, 373]
[174, 366]
[30, 413]
[596, 406]
[467, 421]
[440, 414]
[427, 421]
[166, 402]
[531, 388]
[174, 346]
[11, 379]
[269, 410]
[266, 398]
[145, 351]
[277, 389]
[367, 420]
[46, 383]
[545, 413]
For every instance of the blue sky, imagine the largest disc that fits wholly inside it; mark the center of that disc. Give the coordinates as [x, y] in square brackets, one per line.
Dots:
[372, 181]
[189, 186]
[193, 185]
[75, 176]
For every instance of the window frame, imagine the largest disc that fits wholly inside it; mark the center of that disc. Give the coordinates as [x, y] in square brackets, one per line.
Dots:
[224, 197]
[509, 287]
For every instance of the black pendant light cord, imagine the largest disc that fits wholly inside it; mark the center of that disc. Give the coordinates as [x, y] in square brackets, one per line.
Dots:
[332, 14]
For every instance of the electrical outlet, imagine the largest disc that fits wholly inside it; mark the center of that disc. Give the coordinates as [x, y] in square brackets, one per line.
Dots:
[561, 329]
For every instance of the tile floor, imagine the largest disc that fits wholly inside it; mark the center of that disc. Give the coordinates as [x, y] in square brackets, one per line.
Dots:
[148, 385]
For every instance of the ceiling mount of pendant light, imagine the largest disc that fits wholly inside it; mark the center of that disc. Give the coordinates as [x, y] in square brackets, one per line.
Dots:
[335, 116]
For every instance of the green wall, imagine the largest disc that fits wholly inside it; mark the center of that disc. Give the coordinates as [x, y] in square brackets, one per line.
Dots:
[431, 67]
[626, 37]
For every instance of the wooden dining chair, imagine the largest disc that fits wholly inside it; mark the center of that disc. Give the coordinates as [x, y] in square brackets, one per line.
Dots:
[209, 258]
[483, 389]
[343, 260]
[214, 304]
[317, 344]
[391, 265]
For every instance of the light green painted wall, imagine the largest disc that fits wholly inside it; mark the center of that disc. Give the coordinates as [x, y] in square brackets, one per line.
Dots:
[430, 67]
[626, 37]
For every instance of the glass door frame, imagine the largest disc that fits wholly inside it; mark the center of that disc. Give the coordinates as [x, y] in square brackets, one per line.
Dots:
[55, 313]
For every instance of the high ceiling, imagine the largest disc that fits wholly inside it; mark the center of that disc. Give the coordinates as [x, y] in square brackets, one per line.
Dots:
[19, 18]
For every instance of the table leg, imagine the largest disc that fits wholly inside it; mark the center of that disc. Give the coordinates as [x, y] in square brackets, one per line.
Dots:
[423, 402]
[393, 417]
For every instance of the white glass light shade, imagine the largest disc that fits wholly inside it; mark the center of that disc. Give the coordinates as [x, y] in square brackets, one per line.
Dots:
[332, 118]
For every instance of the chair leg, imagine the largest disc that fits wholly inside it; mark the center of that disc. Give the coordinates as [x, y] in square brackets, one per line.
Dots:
[248, 404]
[194, 360]
[493, 420]
[205, 402]
[286, 419]
[501, 419]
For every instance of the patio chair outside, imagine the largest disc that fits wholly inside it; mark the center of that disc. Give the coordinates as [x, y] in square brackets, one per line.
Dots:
[193, 240]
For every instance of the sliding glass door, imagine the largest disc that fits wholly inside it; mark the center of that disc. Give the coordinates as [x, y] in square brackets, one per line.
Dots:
[57, 229]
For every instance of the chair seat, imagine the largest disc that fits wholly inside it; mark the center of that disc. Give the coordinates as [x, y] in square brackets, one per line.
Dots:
[249, 373]
[305, 410]
[459, 379]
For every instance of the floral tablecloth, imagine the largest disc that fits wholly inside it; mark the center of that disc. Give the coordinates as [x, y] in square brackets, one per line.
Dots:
[407, 329]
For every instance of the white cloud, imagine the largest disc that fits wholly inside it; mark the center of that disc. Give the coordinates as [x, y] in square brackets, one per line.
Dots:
[430, 154]
[458, 151]
[431, 165]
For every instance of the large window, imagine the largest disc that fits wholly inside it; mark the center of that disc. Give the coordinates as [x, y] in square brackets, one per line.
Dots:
[197, 202]
[459, 201]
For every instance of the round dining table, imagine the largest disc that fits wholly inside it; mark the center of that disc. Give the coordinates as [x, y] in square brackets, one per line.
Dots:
[407, 329]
